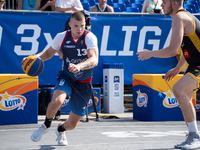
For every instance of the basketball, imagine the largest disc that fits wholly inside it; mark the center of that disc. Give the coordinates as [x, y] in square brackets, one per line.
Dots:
[33, 65]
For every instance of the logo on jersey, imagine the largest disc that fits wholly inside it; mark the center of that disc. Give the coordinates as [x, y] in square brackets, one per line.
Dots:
[79, 74]
[69, 46]
[62, 82]
[82, 42]
[186, 54]
[11, 102]
[142, 99]
[182, 44]
[68, 42]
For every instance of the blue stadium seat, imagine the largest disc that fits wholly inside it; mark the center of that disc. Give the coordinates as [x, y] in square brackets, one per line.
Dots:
[86, 6]
[117, 9]
[127, 3]
[120, 1]
[92, 2]
[136, 10]
[189, 9]
[122, 7]
[115, 1]
[110, 2]
[198, 1]
[132, 9]
[129, 9]
[195, 3]
[139, 1]
[115, 5]
[139, 6]
[191, 6]
[132, 1]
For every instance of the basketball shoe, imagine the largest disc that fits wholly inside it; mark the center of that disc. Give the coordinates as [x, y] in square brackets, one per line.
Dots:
[37, 134]
[192, 142]
[61, 138]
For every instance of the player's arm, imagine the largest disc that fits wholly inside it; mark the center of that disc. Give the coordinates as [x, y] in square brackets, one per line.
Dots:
[175, 42]
[110, 9]
[63, 9]
[173, 72]
[47, 54]
[20, 4]
[144, 6]
[93, 9]
[91, 62]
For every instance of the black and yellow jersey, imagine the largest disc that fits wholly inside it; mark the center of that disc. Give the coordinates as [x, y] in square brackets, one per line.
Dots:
[191, 42]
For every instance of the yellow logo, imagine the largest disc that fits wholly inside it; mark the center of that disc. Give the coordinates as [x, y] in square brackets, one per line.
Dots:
[169, 100]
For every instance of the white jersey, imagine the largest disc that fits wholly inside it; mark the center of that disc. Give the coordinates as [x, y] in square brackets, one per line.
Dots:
[68, 3]
[90, 40]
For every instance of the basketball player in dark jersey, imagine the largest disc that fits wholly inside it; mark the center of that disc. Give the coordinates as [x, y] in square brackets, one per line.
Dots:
[185, 34]
[80, 56]
[102, 7]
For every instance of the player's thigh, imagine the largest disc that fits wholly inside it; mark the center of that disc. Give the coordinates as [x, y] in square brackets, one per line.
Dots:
[186, 84]
[59, 96]
[73, 118]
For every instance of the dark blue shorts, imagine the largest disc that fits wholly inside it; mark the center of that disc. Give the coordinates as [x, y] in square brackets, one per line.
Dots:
[78, 92]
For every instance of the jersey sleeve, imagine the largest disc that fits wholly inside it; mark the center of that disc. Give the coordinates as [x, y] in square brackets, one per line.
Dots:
[58, 4]
[78, 3]
[91, 41]
[57, 41]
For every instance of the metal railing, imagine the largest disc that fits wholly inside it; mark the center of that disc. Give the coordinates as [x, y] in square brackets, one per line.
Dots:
[10, 4]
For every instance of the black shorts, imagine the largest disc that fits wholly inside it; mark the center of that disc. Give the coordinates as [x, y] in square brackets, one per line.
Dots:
[194, 72]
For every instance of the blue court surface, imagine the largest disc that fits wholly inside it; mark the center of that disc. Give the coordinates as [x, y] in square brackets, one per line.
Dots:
[111, 133]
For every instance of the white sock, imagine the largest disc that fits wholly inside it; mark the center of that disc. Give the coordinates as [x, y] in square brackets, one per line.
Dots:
[192, 126]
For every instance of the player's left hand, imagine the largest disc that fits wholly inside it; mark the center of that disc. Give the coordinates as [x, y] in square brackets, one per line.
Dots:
[171, 74]
[73, 68]
[144, 54]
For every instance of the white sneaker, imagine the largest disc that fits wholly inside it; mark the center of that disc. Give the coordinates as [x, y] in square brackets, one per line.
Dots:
[192, 142]
[178, 146]
[61, 138]
[37, 134]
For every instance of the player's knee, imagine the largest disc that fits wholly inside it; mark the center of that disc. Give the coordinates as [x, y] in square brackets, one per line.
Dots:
[177, 90]
[56, 103]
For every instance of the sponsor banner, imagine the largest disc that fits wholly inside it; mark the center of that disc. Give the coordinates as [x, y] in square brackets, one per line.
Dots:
[153, 99]
[18, 99]
[120, 37]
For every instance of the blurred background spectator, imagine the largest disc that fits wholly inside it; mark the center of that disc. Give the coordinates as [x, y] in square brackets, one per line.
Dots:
[45, 5]
[10, 4]
[152, 6]
[26, 4]
[1, 4]
[68, 5]
[102, 6]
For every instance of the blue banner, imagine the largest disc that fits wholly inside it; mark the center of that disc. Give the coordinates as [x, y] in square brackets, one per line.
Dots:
[120, 37]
